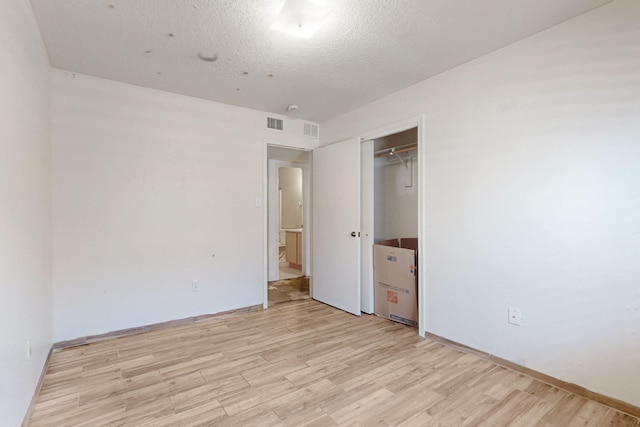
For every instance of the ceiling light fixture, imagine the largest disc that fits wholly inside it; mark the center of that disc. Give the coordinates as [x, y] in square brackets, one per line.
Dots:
[301, 18]
[208, 58]
[292, 107]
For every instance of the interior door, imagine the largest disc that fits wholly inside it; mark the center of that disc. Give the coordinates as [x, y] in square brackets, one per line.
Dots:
[336, 225]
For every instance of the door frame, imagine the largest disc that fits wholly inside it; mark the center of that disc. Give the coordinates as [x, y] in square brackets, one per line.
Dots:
[367, 208]
[306, 229]
[400, 126]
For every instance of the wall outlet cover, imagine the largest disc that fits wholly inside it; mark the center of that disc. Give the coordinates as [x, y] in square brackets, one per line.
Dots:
[515, 316]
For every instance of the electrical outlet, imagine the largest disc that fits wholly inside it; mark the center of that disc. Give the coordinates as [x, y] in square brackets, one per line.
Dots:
[29, 349]
[194, 286]
[515, 316]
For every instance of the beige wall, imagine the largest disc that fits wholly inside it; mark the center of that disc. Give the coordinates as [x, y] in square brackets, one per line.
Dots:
[290, 183]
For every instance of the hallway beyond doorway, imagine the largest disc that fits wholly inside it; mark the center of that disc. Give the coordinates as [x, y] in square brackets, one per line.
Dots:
[287, 272]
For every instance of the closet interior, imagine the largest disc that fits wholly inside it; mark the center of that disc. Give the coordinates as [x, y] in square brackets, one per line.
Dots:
[396, 186]
[395, 226]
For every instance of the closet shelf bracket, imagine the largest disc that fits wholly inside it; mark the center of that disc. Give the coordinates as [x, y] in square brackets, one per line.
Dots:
[403, 161]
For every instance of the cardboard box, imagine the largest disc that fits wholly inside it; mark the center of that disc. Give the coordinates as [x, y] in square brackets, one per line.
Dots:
[409, 243]
[391, 242]
[395, 283]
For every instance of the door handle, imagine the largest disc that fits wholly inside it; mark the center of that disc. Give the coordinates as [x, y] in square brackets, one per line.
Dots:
[354, 234]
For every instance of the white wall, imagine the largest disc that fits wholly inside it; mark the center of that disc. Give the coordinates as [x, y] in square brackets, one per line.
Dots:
[147, 185]
[396, 205]
[532, 187]
[25, 208]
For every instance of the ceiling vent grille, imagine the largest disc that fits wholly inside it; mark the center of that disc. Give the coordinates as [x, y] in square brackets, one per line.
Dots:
[311, 130]
[277, 124]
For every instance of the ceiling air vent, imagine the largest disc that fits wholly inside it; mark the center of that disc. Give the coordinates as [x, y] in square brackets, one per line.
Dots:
[311, 130]
[276, 124]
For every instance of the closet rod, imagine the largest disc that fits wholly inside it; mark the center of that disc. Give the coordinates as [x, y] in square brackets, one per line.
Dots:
[395, 150]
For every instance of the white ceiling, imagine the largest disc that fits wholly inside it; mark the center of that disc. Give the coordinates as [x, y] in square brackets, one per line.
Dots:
[366, 49]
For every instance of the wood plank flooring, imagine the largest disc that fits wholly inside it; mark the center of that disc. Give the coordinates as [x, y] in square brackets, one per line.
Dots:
[286, 290]
[300, 363]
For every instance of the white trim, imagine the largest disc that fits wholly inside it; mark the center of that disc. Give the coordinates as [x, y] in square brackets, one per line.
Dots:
[306, 229]
[366, 226]
[422, 226]
[396, 127]
[273, 219]
[265, 228]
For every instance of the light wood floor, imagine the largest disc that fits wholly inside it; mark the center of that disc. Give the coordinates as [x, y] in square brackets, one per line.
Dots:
[298, 363]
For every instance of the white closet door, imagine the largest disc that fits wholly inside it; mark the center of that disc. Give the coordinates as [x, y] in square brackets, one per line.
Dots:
[336, 225]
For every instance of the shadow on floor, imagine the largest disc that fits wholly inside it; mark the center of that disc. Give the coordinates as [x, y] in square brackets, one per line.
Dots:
[288, 290]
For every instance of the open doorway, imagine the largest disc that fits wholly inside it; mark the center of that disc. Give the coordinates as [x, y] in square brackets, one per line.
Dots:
[390, 217]
[291, 222]
[288, 217]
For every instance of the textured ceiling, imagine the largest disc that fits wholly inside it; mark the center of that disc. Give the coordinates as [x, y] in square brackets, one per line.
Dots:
[364, 51]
